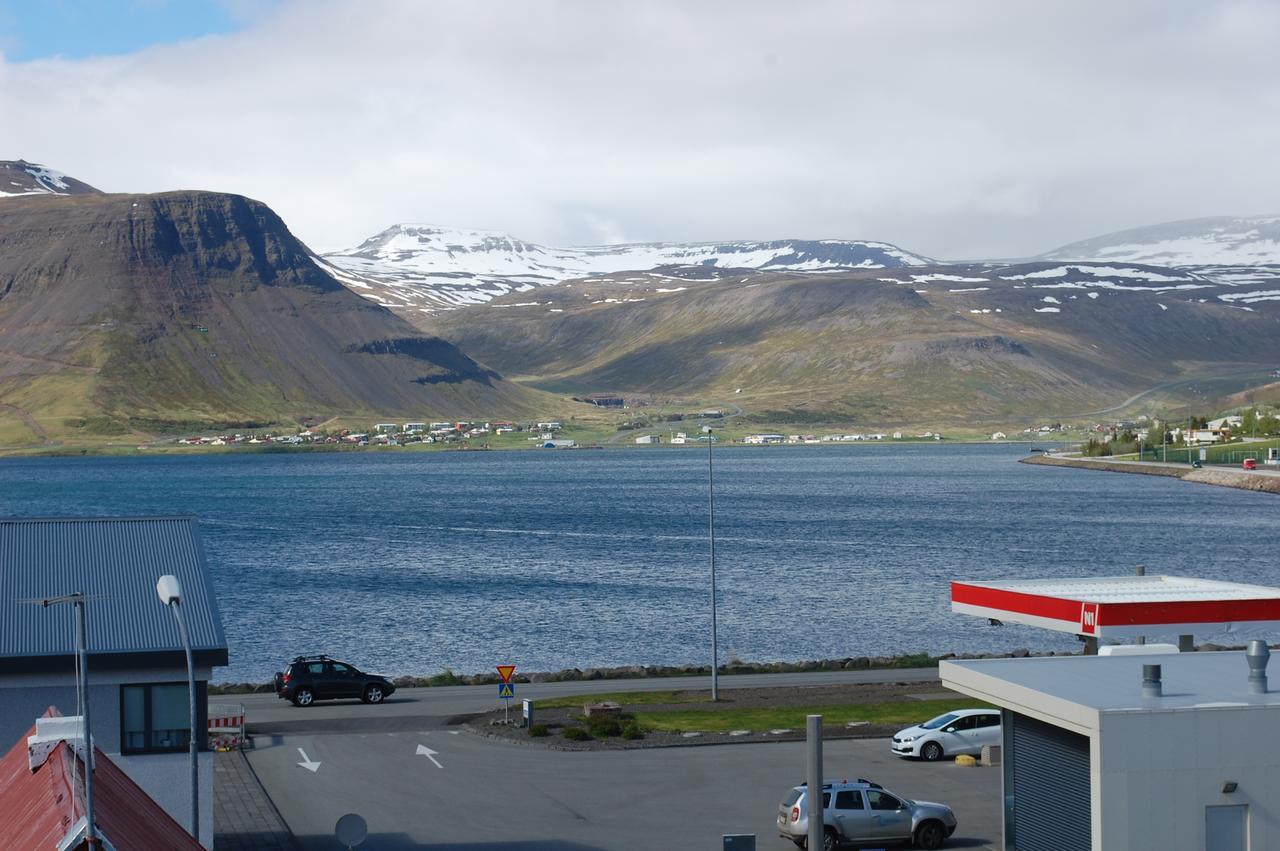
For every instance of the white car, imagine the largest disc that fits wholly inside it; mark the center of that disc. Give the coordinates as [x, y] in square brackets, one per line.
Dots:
[962, 731]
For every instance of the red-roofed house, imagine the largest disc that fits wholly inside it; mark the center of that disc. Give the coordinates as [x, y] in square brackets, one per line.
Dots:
[42, 801]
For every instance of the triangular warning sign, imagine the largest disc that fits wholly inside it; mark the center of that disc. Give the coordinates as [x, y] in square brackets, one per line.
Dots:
[505, 671]
[505, 690]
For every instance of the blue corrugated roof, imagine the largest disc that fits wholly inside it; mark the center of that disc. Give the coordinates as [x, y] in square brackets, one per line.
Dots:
[116, 562]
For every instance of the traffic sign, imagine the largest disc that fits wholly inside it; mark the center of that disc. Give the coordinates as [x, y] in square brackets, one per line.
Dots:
[505, 671]
[506, 691]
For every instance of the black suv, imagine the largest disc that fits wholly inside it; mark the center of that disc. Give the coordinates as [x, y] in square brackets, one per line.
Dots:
[312, 678]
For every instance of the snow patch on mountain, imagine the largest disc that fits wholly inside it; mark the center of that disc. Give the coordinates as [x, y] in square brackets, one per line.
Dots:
[436, 268]
[1223, 240]
[32, 179]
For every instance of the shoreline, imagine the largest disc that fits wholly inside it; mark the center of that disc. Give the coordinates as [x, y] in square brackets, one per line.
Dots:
[1226, 478]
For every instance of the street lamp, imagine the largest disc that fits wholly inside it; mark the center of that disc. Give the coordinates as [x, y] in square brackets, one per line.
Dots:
[170, 592]
[711, 528]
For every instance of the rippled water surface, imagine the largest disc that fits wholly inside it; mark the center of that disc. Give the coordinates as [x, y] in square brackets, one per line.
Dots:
[412, 562]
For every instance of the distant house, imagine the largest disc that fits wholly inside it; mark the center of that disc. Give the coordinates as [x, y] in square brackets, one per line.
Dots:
[648, 439]
[999, 435]
[44, 805]
[137, 668]
[1225, 423]
[414, 428]
[765, 438]
[711, 414]
[559, 444]
[680, 438]
[549, 425]
[1197, 436]
[386, 428]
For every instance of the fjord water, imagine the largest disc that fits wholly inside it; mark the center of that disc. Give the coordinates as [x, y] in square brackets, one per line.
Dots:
[412, 562]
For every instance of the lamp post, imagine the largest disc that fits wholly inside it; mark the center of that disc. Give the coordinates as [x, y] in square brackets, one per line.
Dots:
[170, 592]
[711, 529]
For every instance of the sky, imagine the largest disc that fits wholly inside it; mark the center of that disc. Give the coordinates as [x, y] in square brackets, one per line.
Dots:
[958, 130]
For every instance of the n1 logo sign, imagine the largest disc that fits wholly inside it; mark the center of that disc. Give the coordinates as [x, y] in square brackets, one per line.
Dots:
[1089, 618]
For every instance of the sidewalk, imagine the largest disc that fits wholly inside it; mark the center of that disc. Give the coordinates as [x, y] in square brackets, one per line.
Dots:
[244, 819]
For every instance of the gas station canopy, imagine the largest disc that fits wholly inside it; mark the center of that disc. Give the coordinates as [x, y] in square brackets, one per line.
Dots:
[1123, 607]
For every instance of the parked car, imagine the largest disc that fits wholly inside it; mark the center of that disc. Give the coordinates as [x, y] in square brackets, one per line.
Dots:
[310, 678]
[862, 812]
[962, 731]
[1251, 463]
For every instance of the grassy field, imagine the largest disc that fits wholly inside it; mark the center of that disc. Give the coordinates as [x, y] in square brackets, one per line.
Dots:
[705, 717]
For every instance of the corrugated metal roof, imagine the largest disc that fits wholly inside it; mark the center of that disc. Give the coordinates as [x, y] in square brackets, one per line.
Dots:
[40, 806]
[115, 562]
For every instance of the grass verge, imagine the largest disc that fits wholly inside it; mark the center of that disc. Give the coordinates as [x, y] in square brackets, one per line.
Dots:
[793, 717]
[626, 698]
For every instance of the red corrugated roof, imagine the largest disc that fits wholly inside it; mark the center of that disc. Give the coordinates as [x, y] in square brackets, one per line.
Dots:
[37, 808]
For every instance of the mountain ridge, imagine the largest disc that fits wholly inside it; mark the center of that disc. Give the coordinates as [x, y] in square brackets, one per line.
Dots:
[431, 268]
[202, 308]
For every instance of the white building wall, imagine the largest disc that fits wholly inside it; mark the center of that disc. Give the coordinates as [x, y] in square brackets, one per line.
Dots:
[166, 777]
[1155, 772]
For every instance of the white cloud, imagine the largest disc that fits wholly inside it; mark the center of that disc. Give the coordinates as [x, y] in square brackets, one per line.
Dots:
[953, 129]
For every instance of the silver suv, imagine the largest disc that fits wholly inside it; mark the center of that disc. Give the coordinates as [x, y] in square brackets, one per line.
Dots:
[859, 811]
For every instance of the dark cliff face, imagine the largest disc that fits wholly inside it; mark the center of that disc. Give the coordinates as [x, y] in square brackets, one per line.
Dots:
[202, 303]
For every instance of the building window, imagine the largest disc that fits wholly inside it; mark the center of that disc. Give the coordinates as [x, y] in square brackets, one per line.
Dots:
[154, 717]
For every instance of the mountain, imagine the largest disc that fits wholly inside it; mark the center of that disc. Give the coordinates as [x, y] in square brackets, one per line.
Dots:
[1219, 241]
[135, 313]
[426, 269]
[19, 177]
[941, 344]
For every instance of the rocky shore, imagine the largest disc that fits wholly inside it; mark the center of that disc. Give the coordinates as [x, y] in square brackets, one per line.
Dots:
[1226, 478]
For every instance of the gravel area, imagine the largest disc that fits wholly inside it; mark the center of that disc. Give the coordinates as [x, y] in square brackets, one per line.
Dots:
[490, 724]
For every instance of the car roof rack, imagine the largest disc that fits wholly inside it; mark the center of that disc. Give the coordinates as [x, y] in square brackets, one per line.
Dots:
[313, 657]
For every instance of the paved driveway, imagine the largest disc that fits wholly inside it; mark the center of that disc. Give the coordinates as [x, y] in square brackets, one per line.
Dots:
[422, 783]
[441, 789]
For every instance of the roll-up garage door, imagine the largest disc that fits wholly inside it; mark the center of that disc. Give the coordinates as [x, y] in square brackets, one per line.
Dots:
[1049, 778]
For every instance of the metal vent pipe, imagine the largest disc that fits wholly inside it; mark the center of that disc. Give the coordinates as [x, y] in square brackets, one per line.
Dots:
[1151, 681]
[1258, 655]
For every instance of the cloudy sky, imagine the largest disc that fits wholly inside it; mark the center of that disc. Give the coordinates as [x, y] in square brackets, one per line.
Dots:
[955, 129]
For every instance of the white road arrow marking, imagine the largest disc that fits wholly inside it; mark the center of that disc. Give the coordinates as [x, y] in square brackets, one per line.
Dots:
[306, 763]
[423, 750]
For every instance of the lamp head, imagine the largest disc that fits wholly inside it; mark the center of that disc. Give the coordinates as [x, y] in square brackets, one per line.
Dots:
[169, 589]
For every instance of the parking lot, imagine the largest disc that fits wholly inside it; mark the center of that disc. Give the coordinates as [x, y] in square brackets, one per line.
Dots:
[423, 784]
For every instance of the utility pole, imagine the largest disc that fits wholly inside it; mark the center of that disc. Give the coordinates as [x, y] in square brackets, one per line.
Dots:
[711, 528]
[82, 675]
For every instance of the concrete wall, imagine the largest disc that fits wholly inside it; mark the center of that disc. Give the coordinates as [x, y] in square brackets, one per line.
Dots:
[165, 777]
[1155, 772]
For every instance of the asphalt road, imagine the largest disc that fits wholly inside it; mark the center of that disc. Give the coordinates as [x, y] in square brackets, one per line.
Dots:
[269, 714]
[423, 783]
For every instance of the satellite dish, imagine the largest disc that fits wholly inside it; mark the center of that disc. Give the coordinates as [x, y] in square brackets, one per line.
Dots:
[351, 830]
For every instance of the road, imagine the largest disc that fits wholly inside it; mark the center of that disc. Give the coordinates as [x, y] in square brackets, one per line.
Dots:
[422, 782]
[268, 714]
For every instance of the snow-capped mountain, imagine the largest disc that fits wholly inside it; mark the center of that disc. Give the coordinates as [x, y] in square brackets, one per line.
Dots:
[1218, 241]
[19, 177]
[431, 268]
